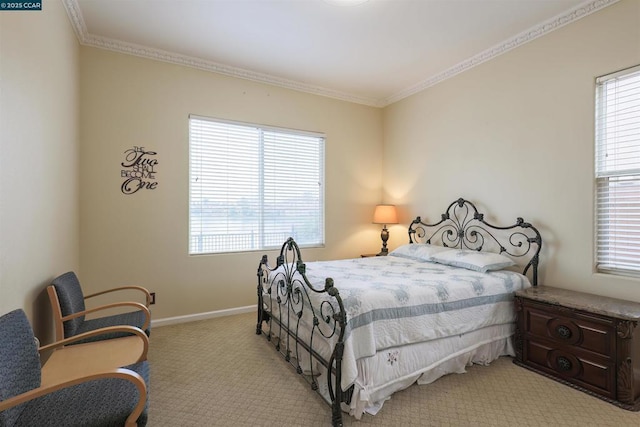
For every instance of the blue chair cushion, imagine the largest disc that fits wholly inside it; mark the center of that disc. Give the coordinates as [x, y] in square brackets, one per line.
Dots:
[71, 301]
[105, 402]
[134, 318]
[19, 362]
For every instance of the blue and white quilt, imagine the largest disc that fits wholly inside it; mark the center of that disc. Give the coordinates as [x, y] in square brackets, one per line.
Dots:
[392, 301]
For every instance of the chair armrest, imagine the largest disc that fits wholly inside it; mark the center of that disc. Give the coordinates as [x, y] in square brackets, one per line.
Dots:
[137, 305]
[145, 291]
[80, 360]
[125, 374]
[110, 329]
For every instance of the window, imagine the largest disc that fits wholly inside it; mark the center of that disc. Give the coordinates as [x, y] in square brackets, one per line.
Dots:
[618, 172]
[252, 187]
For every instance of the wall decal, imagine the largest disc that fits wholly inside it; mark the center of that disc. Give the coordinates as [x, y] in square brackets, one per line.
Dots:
[140, 170]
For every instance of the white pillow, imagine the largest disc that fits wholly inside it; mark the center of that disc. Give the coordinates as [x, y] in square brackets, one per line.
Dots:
[473, 260]
[418, 251]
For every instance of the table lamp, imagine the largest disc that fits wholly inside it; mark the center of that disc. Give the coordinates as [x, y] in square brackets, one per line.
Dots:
[385, 214]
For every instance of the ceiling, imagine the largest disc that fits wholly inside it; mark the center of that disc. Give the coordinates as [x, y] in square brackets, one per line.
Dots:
[374, 53]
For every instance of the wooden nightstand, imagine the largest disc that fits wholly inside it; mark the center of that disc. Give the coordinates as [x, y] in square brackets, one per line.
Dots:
[588, 342]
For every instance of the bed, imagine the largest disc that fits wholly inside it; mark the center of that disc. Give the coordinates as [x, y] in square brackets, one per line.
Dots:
[359, 330]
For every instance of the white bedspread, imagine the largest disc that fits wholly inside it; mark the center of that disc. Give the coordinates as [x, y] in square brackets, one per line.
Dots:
[392, 301]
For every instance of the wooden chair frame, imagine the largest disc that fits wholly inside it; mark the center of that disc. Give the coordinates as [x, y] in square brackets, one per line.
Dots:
[68, 361]
[58, 373]
[59, 319]
[125, 374]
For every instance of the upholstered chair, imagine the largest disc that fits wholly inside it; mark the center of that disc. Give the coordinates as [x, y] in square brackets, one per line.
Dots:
[69, 310]
[103, 397]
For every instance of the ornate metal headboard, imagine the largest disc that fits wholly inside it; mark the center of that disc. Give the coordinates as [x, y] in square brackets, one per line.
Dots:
[463, 227]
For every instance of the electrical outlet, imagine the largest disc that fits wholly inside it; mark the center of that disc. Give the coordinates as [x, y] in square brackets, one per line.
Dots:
[153, 298]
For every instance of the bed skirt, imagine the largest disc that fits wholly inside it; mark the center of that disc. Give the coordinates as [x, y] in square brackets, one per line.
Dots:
[423, 363]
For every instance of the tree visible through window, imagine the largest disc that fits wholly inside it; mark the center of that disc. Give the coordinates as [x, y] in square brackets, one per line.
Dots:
[618, 172]
[252, 187]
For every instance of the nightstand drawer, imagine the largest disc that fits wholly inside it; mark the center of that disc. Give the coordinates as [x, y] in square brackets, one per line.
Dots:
[580, 330]
[589, 342]
[593, 373]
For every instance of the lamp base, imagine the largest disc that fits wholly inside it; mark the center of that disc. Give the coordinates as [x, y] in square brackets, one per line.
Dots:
[384, 235]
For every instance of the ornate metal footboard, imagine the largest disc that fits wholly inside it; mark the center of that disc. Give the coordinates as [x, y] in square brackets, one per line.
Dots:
[293, 321]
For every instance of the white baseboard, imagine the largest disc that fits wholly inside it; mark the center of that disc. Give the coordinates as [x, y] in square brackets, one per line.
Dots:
[202, 316]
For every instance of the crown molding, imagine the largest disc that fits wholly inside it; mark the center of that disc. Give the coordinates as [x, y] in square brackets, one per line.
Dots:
[539, 30]
[77, 21]
[76, 18]
[202, 64]
[78, 24]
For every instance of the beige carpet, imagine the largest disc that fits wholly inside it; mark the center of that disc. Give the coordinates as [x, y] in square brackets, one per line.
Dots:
[219, 373]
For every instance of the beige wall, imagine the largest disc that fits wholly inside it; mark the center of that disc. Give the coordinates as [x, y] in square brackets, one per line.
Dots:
[39, 179]
[142, 238]
[516, 135]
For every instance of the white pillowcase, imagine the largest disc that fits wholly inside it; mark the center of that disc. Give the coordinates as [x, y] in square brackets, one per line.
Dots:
[473, 260]
[418, 251]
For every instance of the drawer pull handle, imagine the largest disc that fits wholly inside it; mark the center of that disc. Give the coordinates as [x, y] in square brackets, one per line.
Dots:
[564, 364]
[563, 332]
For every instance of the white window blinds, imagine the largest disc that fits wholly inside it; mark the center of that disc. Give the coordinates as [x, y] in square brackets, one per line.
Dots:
[618, 172]
[252, 187]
